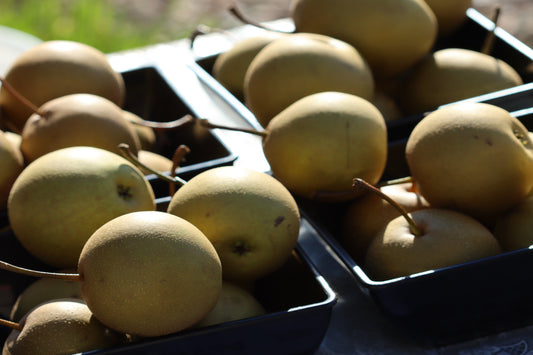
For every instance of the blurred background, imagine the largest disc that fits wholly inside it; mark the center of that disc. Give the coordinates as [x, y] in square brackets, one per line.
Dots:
[115, 25]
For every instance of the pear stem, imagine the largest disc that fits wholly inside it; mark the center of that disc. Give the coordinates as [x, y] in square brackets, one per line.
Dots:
[205, 123]
[127, 153]
[10, 324]
[203, 30]
[395, 181]
[357, 182]
[235, 11]
[180, 122]
[177, 158]
[21, 98]
[36, 273]
[488, 44]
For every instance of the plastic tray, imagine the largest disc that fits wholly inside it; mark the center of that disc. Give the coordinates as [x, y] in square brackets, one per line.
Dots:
[150, 96]
[297, 298]
[456, 303]
[465, 301]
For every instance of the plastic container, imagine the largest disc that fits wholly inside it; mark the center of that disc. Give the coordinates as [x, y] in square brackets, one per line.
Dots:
[297, 298]
[150, 96]
[455, 303]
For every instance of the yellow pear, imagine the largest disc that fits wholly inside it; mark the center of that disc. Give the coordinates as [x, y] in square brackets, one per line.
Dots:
[43, 290]
[62, 197]
[149, 273]
[317, 145]
[301, 64]
[450, 14]
[472, 157]
[147, 135]
[55, 68]
[11, 165]
[63, 326]
[250, 217]
[446, 238]
[234, 303]
[230, 66]
[368, 214]
[392, 35]
[76, 120]
[514, 228]
[153, 160]
[454, 74]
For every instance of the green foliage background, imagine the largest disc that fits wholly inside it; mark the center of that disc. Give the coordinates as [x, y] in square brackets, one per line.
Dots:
[100, 23]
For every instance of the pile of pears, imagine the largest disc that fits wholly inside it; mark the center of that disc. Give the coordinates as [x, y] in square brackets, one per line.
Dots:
[381, 55]
[396, 64]
[119, 266]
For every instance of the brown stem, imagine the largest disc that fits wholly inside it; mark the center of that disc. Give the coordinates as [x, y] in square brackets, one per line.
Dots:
[36, 273]
[21, 97]
[177, 158]
[128, 154]
[180, 122]
[201, 30]
[235, 11]
[489, 39]
[205, 123]
[10, 324]
[357, 183]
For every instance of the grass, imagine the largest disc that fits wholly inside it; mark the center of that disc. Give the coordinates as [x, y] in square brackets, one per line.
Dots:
[99, 23]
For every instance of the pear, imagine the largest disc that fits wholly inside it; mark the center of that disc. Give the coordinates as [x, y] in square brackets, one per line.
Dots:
[154, 161]
[76, 120]
[454, 74]
[62, 197]
[43, 290]
[446, 238]
[230, 66]
[368, 214]
[11, 165]
[392, 35]
[250, 217]
[234, 303]
[319, 143]
[301, 64]
[472, 157]
[147, 136]
[450, 14]
[514, 228]
[149, 273]
[63, 326]
[56, 68]
[15, 139]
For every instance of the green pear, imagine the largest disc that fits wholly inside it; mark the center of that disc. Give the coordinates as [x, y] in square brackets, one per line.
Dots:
[234, 303]
[56, 68]
[149, 273]
[230, 66]
[62, 197]
[63, 326]
[77, 120]
[250, 217]
[319, 143]
[392, 35]
[450, 14]
[446, 238]
[454, 74]
[11, 165]
[43, 290]
[472, 157]
[301, 64]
